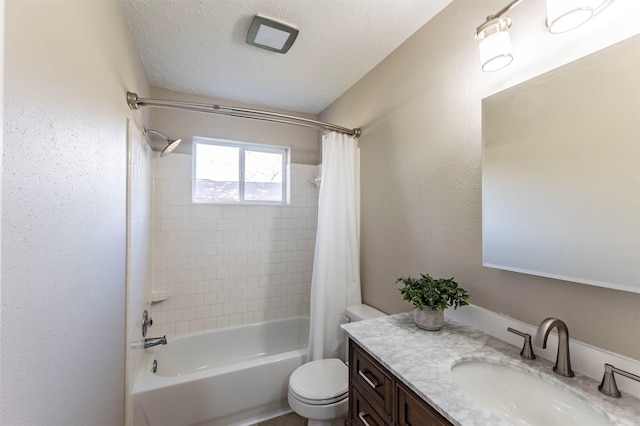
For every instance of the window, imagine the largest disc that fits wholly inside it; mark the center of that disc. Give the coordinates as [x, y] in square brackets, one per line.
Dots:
[238, 172]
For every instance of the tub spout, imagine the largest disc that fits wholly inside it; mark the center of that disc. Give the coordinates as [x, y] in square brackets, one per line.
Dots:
[155, 341]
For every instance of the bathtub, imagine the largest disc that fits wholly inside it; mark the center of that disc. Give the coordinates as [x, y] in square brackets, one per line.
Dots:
[232, 376]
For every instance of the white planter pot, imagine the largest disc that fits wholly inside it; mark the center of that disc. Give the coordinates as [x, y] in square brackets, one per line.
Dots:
[428, 319]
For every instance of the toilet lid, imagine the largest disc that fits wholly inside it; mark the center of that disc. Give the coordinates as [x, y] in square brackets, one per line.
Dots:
[320, 380]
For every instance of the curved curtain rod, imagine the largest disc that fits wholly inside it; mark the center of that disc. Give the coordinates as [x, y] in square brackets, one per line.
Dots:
[135, 102]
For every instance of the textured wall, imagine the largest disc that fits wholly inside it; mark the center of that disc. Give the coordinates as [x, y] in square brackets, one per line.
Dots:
[67, 68]
[229, 264]
[420, 110]
[1, 153]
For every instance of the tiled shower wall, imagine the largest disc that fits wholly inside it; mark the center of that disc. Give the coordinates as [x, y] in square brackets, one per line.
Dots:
[139, 246]
[226, 265]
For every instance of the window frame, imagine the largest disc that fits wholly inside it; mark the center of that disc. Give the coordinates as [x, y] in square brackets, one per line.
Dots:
[242, 148]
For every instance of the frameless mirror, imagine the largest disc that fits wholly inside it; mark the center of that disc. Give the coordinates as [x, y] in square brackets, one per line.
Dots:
[561, 172]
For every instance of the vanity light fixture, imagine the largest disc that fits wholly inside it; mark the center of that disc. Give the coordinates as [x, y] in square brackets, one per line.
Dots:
[494, 40]
[271, 34]
[562, 16]
[494, 44]
[566, 15]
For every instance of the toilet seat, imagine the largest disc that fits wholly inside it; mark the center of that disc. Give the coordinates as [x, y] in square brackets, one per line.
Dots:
[318, 401]
[320, 382]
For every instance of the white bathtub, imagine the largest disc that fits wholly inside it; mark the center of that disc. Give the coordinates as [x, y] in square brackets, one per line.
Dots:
[229, 376]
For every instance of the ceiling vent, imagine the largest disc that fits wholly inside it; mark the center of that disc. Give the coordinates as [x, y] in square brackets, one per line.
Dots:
[271, 34]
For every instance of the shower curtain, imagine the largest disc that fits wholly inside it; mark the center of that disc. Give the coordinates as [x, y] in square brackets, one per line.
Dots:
[335, 282]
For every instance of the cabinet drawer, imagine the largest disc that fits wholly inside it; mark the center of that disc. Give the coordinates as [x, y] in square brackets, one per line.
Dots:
[372, 379]
[362, 413]
[413, 411]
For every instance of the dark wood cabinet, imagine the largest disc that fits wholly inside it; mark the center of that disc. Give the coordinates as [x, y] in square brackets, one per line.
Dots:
[378, 398]
[414, 411]
[363, 413]
[373, 382]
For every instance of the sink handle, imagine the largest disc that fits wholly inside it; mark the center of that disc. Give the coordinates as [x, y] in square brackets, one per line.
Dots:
[608, 385]
[527, 349]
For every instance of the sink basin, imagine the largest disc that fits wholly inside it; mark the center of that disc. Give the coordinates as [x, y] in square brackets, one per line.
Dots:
[522, 398]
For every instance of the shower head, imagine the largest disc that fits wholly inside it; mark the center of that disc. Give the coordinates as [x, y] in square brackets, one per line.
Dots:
[171, 143]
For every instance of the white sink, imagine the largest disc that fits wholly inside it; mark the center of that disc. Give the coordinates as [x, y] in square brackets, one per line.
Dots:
[522, 398]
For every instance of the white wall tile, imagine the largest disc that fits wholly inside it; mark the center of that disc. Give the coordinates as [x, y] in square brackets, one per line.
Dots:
[224, 264]
[139, 245]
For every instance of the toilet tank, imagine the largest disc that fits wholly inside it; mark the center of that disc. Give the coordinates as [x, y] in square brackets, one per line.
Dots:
[355, 313]
[362, 312]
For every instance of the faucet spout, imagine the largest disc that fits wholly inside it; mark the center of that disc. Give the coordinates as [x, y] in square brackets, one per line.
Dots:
[563, 359]
[154, 341]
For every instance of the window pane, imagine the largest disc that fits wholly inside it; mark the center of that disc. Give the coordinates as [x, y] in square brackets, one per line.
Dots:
[263, 176]
[217, 173]
[239, 172]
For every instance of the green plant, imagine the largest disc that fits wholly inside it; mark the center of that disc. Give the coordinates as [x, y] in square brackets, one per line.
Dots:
[437, 294]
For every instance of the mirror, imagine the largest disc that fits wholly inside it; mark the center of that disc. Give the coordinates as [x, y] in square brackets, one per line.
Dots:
[561, 172]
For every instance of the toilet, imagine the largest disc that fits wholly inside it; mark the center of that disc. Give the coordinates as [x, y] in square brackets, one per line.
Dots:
[319, 390]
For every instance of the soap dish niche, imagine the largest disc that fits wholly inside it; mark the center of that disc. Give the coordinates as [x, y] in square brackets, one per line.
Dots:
[159, 296]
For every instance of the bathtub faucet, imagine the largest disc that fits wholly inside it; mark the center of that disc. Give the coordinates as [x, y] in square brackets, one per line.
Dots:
[155, 341]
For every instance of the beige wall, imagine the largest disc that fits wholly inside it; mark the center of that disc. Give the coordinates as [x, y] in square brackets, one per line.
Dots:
[303, 141]
[67, 69]
[420, 110]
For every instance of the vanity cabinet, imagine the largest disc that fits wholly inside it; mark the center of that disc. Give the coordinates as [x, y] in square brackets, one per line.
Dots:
[377, 397]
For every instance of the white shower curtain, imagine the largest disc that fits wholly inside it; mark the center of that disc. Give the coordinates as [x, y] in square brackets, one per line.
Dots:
[336, 268]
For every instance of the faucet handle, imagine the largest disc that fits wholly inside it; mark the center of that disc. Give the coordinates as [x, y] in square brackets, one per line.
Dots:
[147, 322]
[608, 385]
[527, 349]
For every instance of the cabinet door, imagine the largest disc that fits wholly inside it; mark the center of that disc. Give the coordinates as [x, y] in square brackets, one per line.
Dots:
[413, 411]
[373, 380]
[362, 413]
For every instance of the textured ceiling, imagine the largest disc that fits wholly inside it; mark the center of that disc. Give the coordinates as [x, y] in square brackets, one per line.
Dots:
[198, 46]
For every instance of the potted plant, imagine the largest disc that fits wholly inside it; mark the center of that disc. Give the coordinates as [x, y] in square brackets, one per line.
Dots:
[431, 297]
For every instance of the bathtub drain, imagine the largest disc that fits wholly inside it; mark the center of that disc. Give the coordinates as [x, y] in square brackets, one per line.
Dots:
[155, 366]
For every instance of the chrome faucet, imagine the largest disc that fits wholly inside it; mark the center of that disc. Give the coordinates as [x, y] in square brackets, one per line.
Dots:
[154, 341]
[563, 360]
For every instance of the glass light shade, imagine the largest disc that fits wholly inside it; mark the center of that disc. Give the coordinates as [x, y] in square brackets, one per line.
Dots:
[565, 15]
[271, 37]
[495, 51]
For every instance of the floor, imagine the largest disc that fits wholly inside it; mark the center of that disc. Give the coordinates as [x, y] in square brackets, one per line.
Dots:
[291, 419]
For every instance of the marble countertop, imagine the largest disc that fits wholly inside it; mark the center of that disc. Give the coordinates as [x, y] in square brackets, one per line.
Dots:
[423, 360]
